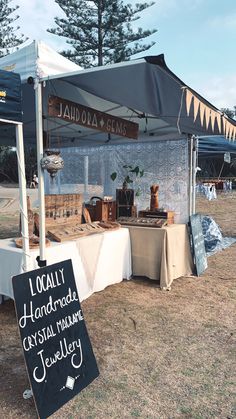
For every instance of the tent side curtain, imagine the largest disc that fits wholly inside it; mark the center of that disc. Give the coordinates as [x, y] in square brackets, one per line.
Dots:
[10, 97]
[148, 86]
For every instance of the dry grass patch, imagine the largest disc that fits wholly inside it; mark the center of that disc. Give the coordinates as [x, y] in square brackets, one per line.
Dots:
[161, 354]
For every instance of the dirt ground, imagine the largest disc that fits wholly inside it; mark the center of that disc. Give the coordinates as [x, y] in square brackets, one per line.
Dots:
[161, 355]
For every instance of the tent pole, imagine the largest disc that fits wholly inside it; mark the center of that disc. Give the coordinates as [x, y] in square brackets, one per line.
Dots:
[194, 174]
[39, 136]
[23, 197]
[191, 176]
[86, 168]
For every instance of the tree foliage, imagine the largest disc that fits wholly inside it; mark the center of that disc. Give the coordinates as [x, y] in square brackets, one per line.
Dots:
[229, 112]
[100, 31]
[9, 166]
[8, 32]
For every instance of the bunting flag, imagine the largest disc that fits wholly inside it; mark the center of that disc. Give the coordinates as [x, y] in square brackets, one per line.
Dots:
[224, 125]
[234, 134]
[209, 118]
[227, 129]
[218, 118]
[202, 113]
[196, 103]
[213, 118]
[189, 97]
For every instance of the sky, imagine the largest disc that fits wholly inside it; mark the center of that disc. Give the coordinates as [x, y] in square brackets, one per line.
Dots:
[197, 38]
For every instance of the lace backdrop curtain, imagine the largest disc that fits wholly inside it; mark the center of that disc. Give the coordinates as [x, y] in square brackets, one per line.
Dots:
[164, 163]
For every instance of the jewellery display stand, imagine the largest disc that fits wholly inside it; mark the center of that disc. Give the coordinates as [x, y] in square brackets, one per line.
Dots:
[161, 214]
[73, 231]
[142, 222]
[125, 203]
[61, 210]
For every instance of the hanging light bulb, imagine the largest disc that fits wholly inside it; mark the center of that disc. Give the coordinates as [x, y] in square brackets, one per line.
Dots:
[52, 162]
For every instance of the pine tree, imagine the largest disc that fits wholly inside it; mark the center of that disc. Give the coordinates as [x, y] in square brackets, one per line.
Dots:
[8, 37]
[100, 31]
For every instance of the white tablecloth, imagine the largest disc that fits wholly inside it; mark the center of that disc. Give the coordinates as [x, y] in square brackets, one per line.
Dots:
[98, 260]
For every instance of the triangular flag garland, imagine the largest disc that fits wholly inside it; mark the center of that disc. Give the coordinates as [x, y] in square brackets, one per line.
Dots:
[202, 113]
[209, 117]
[196, 103]
[218, 118]
[189, 97]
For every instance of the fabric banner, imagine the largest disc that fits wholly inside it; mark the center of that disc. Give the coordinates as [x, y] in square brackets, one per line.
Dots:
[10, 97]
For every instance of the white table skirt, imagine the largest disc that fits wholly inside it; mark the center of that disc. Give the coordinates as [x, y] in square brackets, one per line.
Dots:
[98, 260]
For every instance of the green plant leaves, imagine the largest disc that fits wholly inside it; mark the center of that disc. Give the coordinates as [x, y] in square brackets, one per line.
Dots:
[113, 176]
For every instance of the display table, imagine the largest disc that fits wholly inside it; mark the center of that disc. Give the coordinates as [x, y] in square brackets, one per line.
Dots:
[98, 260]
[161, 253]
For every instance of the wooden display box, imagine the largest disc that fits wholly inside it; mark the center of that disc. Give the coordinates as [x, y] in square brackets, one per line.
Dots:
[125, 203]
[165, 215]
[61, 210]
[126, 211]
[105, 210]
[125, 197]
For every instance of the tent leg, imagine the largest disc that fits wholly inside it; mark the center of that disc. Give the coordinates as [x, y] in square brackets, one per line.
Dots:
[23, 197]
[39, 135]
[194, 171]
[191, 176]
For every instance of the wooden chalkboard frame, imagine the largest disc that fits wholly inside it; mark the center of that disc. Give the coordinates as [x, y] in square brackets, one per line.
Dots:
[57, 350]
[197, 243]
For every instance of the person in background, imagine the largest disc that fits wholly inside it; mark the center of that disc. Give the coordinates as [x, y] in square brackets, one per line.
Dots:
[34, 182]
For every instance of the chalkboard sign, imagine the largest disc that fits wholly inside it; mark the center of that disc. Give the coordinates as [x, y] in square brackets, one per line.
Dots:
[56, 345]
[198, 245]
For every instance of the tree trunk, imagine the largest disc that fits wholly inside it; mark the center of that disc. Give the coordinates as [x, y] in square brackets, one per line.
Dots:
[100, 51]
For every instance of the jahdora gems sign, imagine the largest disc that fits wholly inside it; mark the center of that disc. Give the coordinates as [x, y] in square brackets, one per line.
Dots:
[91, 118]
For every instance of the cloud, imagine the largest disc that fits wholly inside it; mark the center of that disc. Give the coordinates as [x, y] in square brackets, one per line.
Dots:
[36, 17]
[227, 22]
[165, 7]
[220, 91]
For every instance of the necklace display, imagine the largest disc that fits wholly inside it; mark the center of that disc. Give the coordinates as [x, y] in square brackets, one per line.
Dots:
[125, 202]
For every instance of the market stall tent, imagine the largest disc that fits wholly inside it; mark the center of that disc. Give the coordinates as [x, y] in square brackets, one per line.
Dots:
[143, 91]
[212, 159]
[11, 115]
[32, 62]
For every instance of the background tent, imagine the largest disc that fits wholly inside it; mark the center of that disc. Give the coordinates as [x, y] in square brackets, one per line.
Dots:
[32, 62]
[11, 115]
[216, 145]
[211, 152]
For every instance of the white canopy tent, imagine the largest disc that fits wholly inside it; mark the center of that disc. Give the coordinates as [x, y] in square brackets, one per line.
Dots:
[143, 91]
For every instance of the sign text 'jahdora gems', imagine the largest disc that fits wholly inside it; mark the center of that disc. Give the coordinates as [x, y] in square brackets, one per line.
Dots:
[91, 118]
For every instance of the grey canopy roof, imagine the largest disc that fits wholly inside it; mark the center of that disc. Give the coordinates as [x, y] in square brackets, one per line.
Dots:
[144, 91]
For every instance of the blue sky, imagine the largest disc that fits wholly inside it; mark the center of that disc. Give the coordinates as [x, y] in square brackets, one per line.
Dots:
[197, 37]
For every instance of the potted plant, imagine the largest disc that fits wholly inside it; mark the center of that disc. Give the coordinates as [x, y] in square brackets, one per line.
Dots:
[129, 177]
[125, 196]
